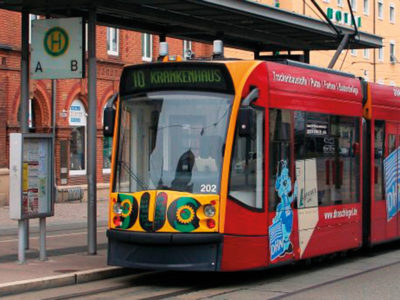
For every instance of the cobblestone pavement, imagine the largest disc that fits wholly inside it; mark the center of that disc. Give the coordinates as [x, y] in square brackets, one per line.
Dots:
[64, 213]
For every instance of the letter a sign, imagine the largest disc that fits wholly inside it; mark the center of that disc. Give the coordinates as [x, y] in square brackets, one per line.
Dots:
[57, 49]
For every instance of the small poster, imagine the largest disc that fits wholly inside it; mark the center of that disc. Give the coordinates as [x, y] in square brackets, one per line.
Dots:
[392, 181]
[316, 129]
[307, 200]
[276, 242]
[306, 175]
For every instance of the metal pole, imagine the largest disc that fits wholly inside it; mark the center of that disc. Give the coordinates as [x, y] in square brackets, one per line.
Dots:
[92, 131]
[24, 73]
[21, 242]
[42, 226]
[23, 225]
[26, 228]
[307, 56]
[53, 131]
[342, 45]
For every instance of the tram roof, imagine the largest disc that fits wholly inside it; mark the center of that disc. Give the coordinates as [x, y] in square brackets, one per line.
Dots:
[240, 24]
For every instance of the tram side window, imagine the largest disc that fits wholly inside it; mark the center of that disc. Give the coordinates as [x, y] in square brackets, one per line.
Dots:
[246, 175]
[379, 147]
[327, 159]
[280, 130]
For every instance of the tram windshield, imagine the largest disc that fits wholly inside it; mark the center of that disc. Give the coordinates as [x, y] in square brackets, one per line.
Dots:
[172, 140]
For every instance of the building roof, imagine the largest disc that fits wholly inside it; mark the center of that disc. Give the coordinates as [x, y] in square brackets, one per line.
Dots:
[240, 24]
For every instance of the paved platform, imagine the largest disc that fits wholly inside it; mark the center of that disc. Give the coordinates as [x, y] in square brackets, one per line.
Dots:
[66, 213]
[68, 261]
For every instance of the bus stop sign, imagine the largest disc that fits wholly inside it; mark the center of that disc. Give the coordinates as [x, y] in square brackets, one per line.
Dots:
[57, 48]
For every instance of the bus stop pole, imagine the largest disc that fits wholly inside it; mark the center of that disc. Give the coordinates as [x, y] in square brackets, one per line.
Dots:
[23, 225]
[92, 132]
[42, 240]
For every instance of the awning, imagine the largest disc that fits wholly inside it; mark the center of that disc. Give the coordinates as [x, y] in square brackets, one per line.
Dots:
[240, 24]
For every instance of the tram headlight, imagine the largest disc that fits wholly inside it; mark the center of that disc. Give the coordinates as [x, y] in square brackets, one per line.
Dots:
[117, 208]
[209, 211]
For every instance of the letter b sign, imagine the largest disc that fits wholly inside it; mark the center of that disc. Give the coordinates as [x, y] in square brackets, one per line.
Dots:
[74, 65]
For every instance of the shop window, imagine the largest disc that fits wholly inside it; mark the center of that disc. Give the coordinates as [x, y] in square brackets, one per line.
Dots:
[107, 153]
[187, 49]
[246, 176]
[379, 152]
[147, 46]
[77, 146]
[112, 41]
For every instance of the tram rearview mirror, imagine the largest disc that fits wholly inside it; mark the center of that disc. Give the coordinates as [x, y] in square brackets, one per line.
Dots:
[245, 121]
[109, 118]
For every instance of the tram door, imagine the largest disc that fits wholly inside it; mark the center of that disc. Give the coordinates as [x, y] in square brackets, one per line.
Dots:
[392, 179]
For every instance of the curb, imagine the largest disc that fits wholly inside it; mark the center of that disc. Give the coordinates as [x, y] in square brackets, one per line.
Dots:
[23, 286]
[60, 226]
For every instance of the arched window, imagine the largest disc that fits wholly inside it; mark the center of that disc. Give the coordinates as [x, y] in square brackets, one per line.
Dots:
[77, 146]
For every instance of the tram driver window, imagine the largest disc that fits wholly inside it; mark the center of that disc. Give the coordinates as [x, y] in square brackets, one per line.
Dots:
[246, 176]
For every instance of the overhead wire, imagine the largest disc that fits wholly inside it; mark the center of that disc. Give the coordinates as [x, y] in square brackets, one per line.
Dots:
[344, 59]
[312, 9]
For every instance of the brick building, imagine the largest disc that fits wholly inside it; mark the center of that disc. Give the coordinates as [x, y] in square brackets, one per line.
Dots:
[115, 48]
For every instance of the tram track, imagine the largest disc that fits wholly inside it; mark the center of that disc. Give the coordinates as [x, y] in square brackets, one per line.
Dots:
[335, 281]
[129, 289]
[278, 283]
[97, 291]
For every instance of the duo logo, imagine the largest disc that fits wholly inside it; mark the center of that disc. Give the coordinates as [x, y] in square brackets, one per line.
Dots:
[159, 216]
[129, 211]
[181, 213]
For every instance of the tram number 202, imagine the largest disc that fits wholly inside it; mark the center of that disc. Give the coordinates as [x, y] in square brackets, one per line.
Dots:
[208, 188]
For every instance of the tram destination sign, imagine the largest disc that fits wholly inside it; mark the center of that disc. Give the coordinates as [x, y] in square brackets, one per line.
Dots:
[170, 76]
[57, 48]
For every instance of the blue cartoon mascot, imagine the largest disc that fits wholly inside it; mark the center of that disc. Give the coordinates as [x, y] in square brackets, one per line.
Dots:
[282, 223]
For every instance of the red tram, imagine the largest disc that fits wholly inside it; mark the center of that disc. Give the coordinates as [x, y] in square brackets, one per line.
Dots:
[233, 165]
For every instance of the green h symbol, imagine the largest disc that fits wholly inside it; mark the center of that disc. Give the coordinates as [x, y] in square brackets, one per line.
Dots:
[56, 41]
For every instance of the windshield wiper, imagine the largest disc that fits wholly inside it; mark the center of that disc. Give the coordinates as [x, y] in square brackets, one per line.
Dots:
[164, 187]
[132, 174]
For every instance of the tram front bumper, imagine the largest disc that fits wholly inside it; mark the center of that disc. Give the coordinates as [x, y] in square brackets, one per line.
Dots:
[165, 251]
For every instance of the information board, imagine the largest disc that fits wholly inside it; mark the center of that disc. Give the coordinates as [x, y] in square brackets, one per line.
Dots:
[31, 176]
